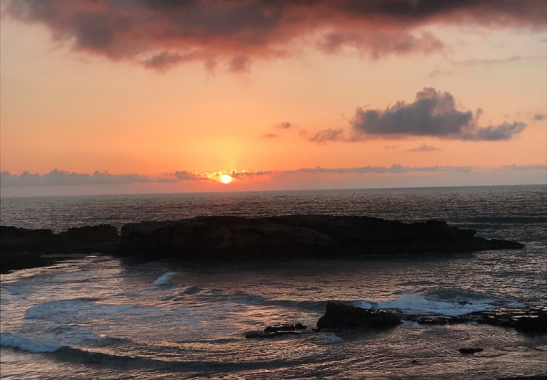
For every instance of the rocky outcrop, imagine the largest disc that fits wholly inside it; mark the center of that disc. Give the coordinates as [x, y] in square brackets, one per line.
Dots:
[530, 320]
[339, 315]
[24, 248]
[237, 238]
[297, 236]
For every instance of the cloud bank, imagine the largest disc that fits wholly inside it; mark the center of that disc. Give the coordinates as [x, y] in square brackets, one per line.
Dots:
[161, 34]
[432, 114]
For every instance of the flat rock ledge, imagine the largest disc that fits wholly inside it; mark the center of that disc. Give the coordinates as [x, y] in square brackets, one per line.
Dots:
[238, 238]
[225, 237]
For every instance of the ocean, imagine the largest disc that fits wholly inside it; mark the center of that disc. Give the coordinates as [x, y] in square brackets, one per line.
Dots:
[102, 317]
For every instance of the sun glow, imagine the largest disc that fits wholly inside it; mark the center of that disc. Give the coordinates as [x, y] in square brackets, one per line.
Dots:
[226, 179]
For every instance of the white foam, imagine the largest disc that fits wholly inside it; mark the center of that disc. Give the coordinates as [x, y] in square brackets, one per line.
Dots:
[417, 302]
[26, 343]
[165, 279]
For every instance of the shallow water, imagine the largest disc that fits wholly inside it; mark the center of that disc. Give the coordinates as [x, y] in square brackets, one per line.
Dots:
[99, 317]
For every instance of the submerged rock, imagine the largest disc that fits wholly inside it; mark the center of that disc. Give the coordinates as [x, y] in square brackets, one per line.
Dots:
[339, 315]
[278, 330]
[227, 237]
[470, 351]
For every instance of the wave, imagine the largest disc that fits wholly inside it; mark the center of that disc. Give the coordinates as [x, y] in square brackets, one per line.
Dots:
[24, 343]
[409, 301]
[165, 279]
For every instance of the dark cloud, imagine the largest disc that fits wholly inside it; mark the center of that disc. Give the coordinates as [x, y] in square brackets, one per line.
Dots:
[424, 148]
[163, 33]
[540, 116]
[269, 135]
[432, 114]
[500, 132]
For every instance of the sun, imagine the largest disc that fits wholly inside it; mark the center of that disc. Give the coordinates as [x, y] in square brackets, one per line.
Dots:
[226, 179]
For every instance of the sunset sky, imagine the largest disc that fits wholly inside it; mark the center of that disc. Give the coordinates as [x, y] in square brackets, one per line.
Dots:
[145, 96]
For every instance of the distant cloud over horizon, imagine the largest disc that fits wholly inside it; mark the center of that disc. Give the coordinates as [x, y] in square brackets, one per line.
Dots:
[432, 114]
[161, 34]
[64, 178]
[424, 148]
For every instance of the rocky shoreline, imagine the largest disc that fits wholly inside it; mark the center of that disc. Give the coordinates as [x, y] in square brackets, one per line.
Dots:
[238, 238]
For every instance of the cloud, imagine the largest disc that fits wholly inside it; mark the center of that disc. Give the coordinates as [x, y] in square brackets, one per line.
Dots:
[161, 34]
[525, 167]
[432, 114]
[249, 174]
[436, 73]
[488, 62]
[424, 148]
[284, 125]
[270, 136]
[326, 135]
[540, 116]
[64, 178]
[394, 169]
[189, 177]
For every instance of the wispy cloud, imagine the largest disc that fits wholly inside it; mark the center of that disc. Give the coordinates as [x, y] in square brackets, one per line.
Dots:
[424, 148]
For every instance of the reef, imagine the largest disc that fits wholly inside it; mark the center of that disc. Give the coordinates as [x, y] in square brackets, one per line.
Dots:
[228, 238]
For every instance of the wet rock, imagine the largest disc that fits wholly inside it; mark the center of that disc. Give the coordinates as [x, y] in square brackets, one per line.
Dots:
[23, 248]
[470, 351]
[532, 324]
[229, 237]
[433, 321]
[278, 330]
[339, 315]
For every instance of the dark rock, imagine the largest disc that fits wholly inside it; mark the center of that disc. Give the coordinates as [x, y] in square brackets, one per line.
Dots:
[470, 351]
[296, 236]
[23, 248]
[339, 315]
[433, 321]
[533, 324]
[104, 233]
[277, 328]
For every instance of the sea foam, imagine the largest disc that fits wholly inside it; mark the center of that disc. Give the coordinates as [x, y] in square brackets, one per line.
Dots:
[165, 279]
[26, 343]
[418, 302]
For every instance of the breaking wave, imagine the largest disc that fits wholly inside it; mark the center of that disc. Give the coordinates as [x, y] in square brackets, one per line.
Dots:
[432, 304]
[165, 279]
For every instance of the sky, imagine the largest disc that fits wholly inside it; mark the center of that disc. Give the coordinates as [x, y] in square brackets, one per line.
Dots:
[165, 96]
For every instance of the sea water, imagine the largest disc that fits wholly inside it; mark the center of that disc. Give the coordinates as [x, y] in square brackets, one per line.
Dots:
[106, 318]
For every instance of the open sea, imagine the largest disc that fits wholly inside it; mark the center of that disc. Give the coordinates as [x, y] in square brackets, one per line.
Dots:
[99, 317]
